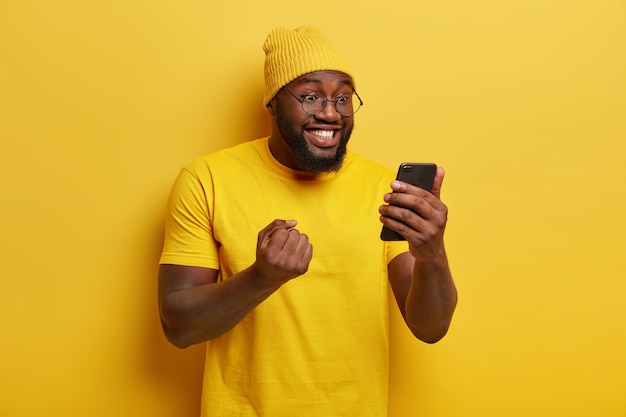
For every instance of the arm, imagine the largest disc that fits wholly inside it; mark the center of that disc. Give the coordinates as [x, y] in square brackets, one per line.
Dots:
[195, 307]
[421, 280]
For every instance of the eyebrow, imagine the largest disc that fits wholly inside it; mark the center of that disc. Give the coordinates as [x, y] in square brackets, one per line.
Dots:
[311, 80]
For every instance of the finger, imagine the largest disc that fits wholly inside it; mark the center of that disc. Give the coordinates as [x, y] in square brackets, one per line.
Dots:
[269, 230]
[420, 203]
[413, 228]
[308, 253]
[294, 243]
[400, 227]
[303, 252]
[400, 187]
[289, 250]
[405, 187]
[279, 224]
[306, 258]
[436, 189]
[397, 216]
[305, 249]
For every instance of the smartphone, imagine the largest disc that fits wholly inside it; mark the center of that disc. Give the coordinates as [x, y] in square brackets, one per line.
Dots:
[419, 174]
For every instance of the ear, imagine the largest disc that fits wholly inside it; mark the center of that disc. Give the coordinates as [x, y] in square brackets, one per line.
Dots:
[271, 108]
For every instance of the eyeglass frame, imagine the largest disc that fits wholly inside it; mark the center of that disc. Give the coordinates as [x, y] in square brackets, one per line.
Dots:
[325, 101]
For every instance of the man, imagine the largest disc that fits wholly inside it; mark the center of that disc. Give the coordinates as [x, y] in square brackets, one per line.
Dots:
[272, 253]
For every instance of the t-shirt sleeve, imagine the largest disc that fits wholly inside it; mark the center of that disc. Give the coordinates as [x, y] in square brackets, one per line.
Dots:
[189, 237]
[395, 248]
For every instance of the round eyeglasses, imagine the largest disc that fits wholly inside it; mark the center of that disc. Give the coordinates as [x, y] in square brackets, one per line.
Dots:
[314, 102]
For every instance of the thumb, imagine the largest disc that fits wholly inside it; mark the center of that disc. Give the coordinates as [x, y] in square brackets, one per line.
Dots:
[436, 189]
[266, 234]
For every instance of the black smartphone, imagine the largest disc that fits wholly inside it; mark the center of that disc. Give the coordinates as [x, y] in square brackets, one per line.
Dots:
[419, 174]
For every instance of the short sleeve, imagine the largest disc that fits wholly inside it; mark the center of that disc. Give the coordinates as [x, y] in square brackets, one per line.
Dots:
[189, 237]
[396, 248]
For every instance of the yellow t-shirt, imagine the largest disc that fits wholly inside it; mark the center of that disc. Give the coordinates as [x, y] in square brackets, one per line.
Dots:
[319, 345]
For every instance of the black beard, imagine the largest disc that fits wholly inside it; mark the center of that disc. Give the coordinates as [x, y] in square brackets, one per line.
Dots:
[308, 161]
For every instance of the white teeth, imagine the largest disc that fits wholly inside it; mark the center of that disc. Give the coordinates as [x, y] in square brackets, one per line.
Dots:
[324, 134]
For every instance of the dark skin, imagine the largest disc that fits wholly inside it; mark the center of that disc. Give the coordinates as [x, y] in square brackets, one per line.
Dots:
[195, 307]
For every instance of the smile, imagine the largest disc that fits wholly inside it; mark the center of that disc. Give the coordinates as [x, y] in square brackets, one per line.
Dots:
[323, 138]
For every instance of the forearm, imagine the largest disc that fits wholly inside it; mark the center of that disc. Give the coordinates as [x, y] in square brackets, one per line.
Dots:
[200, 313]
[431, 300]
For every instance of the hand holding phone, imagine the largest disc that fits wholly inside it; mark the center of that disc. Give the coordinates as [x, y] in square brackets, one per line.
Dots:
[419, 174]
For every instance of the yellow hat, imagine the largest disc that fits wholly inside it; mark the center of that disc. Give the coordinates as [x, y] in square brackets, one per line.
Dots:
[290, 53]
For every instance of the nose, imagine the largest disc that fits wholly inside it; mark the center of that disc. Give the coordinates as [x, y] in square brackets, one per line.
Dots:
[329, 112]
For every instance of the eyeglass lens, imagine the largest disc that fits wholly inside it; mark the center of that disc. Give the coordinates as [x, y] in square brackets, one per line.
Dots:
[346, 105]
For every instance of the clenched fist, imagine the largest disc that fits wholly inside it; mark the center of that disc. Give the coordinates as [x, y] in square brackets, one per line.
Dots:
[282, 252]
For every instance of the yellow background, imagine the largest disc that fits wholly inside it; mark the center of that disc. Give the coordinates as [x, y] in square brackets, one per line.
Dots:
[522, 101]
